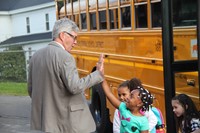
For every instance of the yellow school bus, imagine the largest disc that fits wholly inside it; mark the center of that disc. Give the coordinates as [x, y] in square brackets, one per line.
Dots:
[129, 34]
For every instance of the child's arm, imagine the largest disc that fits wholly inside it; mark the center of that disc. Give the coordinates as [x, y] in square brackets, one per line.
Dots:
[113, 100]
[146, 131]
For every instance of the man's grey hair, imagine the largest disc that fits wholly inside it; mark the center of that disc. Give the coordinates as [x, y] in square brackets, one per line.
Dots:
[63, 24]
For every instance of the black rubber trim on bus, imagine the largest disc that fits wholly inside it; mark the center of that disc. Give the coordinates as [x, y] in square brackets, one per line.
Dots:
[99, 111]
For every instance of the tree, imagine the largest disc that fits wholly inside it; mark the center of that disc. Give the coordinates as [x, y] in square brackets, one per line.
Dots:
[12, 64]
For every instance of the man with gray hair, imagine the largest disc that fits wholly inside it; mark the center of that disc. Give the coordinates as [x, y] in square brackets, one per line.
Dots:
[57, 92]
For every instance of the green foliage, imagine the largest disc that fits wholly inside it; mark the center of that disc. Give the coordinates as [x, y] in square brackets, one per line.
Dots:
[60, 5]
[12, 65]
[12, 88]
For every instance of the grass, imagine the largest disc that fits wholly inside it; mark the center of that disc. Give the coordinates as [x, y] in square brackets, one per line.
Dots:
[14, 89]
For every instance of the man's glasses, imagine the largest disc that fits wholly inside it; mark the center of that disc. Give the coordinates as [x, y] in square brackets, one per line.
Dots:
[74, 37]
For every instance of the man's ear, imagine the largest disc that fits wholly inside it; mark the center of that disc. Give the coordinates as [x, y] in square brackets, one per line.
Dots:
[61, 35]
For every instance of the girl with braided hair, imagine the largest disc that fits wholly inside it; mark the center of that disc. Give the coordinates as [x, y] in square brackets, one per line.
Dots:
[132, 121]
[124, 91]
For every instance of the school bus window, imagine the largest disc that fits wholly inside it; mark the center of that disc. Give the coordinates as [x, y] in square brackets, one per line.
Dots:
[92, 5]
[69, 16]
[72, 17]
[187, 82]
[141, 15]
[126, 17]
[113, 3]
[123, 2]
[113, 18]
[69, 1]
[83, 21]
[184, 12]
[156, 13]
[102, 19]
[93, 21]
[76, 19]
[101, 4]
[60, 5]
[137, 1]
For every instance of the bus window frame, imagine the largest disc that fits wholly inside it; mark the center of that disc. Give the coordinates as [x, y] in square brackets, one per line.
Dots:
[92, 13]
[151, 16]
[130, 27]
[110, 6]
[111, 9]
[93, 9]
[101, 10]
[114, 6]
[81, 28]
[183, 12]
[135, 12]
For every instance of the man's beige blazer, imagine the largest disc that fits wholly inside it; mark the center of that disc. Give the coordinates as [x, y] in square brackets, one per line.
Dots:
[58, 102]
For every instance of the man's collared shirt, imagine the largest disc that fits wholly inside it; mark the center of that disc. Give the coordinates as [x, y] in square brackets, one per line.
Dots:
[60, 44]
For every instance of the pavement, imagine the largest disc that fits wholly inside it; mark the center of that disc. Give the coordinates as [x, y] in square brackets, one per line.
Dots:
[15, 114]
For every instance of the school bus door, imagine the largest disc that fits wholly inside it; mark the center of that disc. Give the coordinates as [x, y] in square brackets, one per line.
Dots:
[172, 66]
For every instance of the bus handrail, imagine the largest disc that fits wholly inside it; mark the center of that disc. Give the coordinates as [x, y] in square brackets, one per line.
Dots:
[119, 56]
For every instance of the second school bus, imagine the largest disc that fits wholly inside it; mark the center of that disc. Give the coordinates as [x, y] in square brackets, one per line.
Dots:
[128, 32]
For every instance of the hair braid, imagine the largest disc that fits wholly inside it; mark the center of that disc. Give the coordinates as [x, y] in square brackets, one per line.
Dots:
[146, 98]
